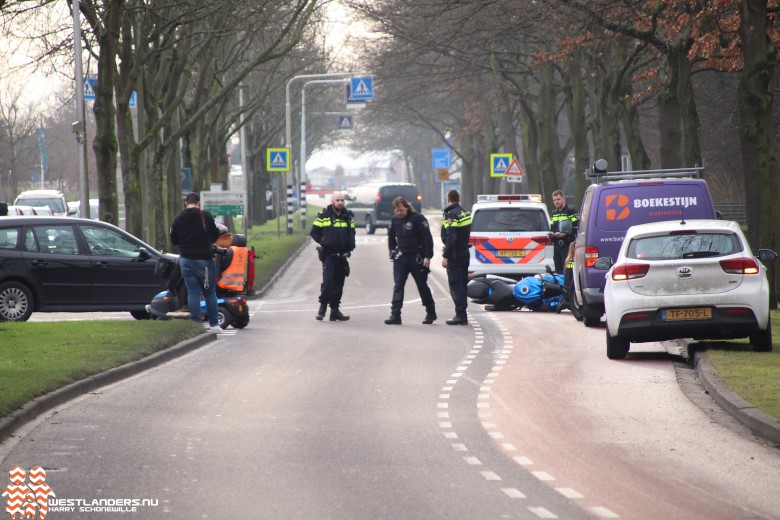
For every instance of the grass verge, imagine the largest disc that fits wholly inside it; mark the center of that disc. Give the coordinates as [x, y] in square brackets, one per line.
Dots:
[754, 376]
[39, 357]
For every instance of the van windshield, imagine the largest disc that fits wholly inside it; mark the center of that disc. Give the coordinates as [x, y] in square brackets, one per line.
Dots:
[509, 219]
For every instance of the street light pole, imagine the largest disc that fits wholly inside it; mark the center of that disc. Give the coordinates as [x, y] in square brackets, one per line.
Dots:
[80, 127]
[288, 136]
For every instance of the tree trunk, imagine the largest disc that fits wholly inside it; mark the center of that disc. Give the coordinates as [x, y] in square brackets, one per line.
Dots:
[578, 124]
[757, 134]
[105, 144]
[669, 110]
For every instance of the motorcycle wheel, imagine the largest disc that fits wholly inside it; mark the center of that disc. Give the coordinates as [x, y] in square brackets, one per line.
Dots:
[240, 322]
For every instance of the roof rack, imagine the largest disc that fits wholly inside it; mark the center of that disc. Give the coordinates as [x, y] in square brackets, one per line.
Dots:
[532, 197]
[602, 176]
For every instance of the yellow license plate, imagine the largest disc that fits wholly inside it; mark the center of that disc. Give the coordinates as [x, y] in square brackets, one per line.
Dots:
[516, 253]
[687, 313]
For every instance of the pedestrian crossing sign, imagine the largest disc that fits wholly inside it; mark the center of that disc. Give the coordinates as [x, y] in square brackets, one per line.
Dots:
[277, 159]
[499, 163]
[361, 88]
[345, 122]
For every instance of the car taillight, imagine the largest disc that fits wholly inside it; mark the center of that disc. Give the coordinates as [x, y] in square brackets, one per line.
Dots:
[419, 197]
[475, 241]
[591, 255]
[622, 272]
[379, 197]
[740, 266]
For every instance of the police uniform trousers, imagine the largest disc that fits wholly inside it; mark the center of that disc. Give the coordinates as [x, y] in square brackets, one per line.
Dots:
[402, 268]
[560, 252]
[334, 271]
[458, 279]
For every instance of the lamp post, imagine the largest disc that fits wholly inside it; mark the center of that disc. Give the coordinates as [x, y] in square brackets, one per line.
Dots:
[288, 137]
[80, 127]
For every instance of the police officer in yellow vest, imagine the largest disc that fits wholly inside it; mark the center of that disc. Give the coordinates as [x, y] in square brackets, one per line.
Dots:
[334, 231]
[560, 239]
[455, 233]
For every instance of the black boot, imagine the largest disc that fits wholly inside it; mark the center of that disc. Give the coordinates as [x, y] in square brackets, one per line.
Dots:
[335, 315]
[321, 313]
[430, 317]
[458, 320]
[394, 319]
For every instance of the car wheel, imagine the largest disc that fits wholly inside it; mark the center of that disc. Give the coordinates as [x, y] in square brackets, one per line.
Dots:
[591, 321]
[241, 322]
[140, 315]
[617, 347]
[576, 308]
[370, 227]
[225, 317]
[762, 339]
[16, 302]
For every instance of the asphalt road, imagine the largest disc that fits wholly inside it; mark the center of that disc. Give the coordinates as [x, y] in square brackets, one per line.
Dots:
[519, 415]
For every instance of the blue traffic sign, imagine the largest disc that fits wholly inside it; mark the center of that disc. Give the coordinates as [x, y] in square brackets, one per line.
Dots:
[440, 158]
[345, 122]
[361, 88]
[89, 89]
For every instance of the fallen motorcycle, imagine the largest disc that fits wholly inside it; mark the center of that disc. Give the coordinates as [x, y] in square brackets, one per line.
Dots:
[539, 293]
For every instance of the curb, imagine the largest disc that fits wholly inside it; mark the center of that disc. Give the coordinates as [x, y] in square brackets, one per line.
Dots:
[759, 422]
[46, 402]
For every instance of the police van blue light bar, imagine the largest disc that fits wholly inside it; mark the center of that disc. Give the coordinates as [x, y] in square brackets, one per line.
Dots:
[531, 197]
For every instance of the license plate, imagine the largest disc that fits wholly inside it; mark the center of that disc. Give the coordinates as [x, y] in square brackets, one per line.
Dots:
[687, 313]
[516, 253]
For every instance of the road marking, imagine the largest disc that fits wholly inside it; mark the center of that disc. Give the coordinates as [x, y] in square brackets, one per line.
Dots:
[569, 493]
[472, 461]
[603, 512]
[489, 475]
[541, 512]
[543, 476]
[513, 493]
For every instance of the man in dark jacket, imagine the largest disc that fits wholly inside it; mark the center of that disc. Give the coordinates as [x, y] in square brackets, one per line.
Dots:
[411, 249]
[334, 231]
[194, 230]
[455, 232]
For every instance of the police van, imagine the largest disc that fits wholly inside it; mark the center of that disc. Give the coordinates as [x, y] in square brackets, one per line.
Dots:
[502, 228]
[618, 200]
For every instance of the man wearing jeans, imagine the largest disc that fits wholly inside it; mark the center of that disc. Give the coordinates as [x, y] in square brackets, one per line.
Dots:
[194, 230]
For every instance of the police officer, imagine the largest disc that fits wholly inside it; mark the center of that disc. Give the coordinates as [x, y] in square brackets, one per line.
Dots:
[562, 240]
[455, 232]
[411, 249]
[334, 231]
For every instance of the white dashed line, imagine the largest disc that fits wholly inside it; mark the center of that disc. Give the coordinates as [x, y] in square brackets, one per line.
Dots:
[569, 493]
[472, 461]
[542, 512]
[603, 512]
[543, 476]
[489, 475]
[513, 493]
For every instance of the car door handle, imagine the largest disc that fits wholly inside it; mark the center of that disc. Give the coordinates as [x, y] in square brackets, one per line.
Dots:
[39, 262]
[102, 263]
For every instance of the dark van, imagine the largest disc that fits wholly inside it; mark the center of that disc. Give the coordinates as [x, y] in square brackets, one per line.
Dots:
[372, 203]
[609, 208]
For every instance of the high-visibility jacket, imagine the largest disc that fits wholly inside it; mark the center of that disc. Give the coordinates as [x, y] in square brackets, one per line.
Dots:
[233, 278]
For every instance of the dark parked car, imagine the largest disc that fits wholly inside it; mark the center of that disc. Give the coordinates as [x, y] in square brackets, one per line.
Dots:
[372, 203]
[55, 264]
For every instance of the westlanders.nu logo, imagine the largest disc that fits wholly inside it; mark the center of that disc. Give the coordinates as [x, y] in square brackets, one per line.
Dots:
[35, 499]
[27, 500]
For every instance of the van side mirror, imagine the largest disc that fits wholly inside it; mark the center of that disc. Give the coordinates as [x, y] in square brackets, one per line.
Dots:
[603, 264]
[766, 255]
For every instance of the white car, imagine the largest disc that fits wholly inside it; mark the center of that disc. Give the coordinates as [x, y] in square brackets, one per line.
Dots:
[686, 279]
[502, 228]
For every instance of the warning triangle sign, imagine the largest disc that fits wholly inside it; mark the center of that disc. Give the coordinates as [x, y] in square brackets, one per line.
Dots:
[515, 168]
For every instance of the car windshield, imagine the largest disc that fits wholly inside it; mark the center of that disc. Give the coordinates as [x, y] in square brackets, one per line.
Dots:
[689, 245]
[55, 204]
[509, 219]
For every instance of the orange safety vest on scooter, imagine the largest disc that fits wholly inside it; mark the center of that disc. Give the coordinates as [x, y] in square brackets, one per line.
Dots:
[233, 278]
